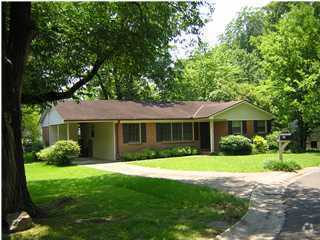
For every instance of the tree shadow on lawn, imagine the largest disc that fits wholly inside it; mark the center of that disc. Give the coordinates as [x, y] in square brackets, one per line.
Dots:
[136, 208]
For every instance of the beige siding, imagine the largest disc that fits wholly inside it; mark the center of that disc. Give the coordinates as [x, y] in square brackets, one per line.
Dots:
[63, 132]
[73, 131]
[103, 144]
[53, 134]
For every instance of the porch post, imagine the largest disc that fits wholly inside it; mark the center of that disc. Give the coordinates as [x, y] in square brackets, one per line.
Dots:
[68, 134]
[211, 135]
[114, 141]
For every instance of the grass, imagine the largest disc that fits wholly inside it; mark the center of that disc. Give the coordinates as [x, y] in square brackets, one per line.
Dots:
[137, 208]
[247, 163]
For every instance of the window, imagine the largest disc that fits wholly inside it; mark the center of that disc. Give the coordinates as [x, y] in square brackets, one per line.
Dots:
[168, 132]
[176, 131]
[314, 144]
[187, 131]
[260, 126]
[163, 132]
[134, 133]
[236, 127]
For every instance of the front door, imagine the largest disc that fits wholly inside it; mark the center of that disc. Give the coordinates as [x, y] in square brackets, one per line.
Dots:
[205, 136]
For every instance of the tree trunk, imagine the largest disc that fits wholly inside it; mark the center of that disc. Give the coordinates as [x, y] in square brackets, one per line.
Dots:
[17, 33]
[301, 135]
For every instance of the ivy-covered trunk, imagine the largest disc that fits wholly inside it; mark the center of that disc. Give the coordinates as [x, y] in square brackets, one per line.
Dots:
[17, 32]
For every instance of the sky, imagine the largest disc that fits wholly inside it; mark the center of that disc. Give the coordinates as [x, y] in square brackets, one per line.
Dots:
[225, 11]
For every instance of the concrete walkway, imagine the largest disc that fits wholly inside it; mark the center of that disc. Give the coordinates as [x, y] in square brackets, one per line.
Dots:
[240, 184]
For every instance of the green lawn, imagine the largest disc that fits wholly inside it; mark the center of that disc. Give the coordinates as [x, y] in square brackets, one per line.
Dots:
[137, 208]
[248, 163]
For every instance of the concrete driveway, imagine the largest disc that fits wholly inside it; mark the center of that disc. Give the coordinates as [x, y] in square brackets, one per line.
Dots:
[240, 184]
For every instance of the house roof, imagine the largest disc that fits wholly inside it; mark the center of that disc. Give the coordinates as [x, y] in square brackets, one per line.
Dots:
[131, 110]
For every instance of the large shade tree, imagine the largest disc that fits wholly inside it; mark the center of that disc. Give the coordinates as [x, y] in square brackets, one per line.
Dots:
[69, 44]
[291, 59]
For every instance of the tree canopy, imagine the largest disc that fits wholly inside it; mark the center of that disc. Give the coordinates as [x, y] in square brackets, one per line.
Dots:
[110, 43]
[269, 56]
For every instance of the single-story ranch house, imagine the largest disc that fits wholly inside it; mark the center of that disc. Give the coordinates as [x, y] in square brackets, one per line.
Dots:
[106, 129]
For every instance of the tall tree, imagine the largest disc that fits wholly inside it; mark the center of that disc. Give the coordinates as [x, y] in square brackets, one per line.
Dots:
[249, 22]
[72, 41]
[17, 35]
[291, 61]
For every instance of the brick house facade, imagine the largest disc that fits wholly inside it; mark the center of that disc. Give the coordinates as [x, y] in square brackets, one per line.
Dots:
[107, 129]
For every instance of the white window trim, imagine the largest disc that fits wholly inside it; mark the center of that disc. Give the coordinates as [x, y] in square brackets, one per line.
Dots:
[265, 127]
[241, 127]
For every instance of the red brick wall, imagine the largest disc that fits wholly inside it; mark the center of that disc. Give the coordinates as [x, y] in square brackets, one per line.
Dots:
[151, 141]
[250, 130]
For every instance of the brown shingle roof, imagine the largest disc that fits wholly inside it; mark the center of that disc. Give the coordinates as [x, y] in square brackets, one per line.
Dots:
[131, 110]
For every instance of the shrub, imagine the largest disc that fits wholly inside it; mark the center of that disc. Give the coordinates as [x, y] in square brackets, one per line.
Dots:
[130, 156]
[45, 154]
[144, 154]
[61, 153]
[260, 145]
[272, 140]
[32, 146]
[30, 157]
[149, 153]
[286, 166]
[235, 145]
[163, 153]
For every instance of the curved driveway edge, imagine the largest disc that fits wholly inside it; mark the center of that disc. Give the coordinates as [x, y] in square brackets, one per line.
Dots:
[266, 214]
[240, 184]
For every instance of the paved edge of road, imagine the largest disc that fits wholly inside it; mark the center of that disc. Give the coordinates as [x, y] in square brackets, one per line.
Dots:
[266, 213]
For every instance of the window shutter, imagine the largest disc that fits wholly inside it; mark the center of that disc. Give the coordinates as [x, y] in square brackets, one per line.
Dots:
[229, 127]
[196, 131]
[269, 126]
[255, 126]
[244, 127]
[143, 133]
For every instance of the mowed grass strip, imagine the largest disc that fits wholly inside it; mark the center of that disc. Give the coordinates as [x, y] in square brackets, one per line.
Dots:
[136, 207]
[247, 163]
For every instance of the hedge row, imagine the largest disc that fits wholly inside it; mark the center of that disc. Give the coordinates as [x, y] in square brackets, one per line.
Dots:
[163, 153]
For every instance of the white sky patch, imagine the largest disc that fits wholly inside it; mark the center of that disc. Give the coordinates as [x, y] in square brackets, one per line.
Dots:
[225, 11]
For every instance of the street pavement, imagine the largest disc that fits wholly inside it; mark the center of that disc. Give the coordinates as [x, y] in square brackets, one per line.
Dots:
[302, 209]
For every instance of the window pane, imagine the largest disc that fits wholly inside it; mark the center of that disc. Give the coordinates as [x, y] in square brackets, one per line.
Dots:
[236, 127]
[177, 131]
[187, 131]
[131, 133]
[196, 130]
[163, 132]
[261, 126]
[143, 133]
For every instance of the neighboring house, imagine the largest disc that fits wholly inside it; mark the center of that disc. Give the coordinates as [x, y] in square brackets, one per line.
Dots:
[313, 140]
[107, 129]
